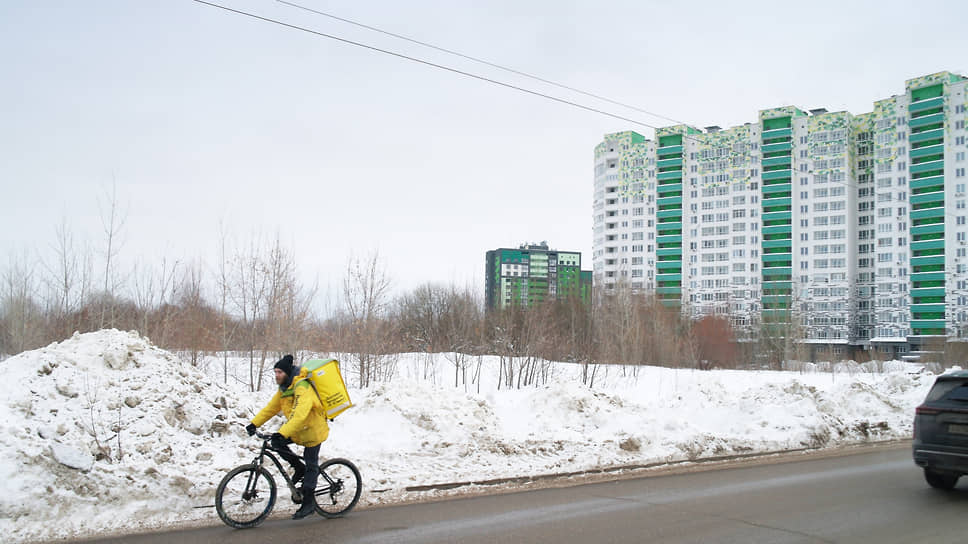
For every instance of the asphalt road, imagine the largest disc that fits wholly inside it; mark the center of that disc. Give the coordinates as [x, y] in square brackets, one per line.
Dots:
[872, 496]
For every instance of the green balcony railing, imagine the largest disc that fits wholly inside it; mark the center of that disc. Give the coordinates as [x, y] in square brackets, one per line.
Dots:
[921, 198]
[927, 276]
[777, 229]
[664, 163]
[777, 174]
[929, 244]
[770, 244]
[927, 151]
[927, 261]
[669, 150]
[675, 174]
[931, 212]
[917, 324]
[926, 136]
[926, 104]
[930, 166]
[669, 188]
[777, 134]
[773, 148]
[928, 292]
[776, 161]
[932, 181]
[926, 120]
[668, 213]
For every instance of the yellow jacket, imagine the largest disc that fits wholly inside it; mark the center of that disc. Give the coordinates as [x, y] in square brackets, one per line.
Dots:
[307, 424]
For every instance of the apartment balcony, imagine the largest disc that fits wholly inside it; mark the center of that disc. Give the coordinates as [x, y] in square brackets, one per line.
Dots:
[927, 151]
[778, 229]
[777, 174]
[774, 189]
[930, 166]
[927, 136]
[917, 294]
[777, 133]
[670, 188]
[922, 198]
[666, 201]
[668, 290]
[675, 174]
[776, 161]
[774, 148]
[664, 163]
[927, 261]
[669, 150]
[932, 181]
[928, 104]
[663, 214]
[924, 214]
[933, 119]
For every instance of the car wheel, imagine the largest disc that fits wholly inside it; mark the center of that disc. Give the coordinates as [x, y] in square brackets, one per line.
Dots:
[940, 480]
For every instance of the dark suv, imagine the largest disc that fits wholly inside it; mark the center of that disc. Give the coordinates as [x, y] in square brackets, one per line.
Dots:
[941, 431]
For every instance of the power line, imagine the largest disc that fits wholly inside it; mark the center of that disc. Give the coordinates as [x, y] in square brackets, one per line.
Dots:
[471, 75]
[427, 63]
[481, 61]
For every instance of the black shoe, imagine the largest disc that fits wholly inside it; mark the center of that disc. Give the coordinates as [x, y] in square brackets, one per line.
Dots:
[308, 504]
[297, 473]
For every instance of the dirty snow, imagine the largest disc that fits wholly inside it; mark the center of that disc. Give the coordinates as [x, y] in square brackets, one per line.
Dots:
[124, 436]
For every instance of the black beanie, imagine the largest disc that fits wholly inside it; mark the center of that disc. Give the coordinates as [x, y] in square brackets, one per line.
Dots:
[285, 364]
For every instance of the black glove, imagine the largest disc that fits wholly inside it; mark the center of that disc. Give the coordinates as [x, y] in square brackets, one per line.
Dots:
[278, 441]
[250, 428]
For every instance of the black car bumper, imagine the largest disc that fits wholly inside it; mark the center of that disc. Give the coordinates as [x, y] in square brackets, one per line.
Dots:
[941, 458]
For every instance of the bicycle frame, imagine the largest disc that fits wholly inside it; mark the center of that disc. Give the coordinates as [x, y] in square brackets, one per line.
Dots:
[266, 451]
[259, 461]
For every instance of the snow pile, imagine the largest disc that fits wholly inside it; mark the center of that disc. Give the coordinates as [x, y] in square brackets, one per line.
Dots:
[121, 435]
[112, 431]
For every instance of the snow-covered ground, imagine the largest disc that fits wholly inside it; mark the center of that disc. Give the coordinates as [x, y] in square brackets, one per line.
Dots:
[106, 432]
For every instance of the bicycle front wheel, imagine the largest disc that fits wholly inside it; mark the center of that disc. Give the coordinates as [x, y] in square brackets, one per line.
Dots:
[339, 488]
[245, 496]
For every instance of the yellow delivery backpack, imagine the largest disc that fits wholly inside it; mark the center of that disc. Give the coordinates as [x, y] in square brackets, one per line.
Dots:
[324, 376]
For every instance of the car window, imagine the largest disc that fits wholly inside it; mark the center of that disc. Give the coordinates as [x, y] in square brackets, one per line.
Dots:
[958, 393]
[942, 389]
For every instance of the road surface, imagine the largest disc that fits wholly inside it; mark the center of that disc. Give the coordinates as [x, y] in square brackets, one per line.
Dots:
[876, 496]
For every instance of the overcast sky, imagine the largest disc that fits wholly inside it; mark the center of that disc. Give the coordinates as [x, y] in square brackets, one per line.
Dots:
[201, 117]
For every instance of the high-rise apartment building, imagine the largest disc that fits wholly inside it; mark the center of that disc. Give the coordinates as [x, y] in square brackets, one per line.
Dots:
[532, 274]
[852, 226]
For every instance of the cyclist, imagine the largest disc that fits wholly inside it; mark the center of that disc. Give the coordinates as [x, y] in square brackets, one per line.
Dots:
[306, 426]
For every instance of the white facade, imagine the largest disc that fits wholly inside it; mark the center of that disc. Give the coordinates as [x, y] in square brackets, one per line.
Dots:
[851, 218]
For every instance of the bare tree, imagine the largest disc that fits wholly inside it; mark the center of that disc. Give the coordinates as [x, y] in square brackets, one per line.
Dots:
[154, 291]
[21, 316]
[112, 222]
[68, 281]
[366, 289]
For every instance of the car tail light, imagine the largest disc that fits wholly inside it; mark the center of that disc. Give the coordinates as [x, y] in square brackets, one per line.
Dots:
[925, 411]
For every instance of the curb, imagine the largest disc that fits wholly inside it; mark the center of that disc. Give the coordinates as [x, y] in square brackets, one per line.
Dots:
[642, 466]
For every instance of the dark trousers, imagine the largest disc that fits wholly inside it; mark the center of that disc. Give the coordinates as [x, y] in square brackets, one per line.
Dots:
[310, 458]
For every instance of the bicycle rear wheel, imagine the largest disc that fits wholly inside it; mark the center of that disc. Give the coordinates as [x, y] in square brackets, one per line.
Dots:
[339, 488]
[245, 496]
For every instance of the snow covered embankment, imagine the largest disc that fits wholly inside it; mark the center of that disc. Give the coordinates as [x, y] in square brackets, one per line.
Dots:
[105, 431]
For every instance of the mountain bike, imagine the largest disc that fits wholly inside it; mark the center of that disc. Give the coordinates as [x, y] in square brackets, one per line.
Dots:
[246, 495]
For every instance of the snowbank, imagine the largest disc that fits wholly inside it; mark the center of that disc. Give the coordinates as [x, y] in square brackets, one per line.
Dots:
[119, 434]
